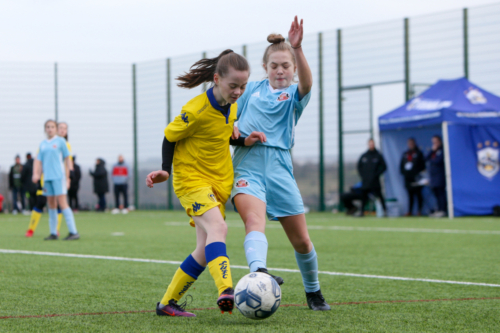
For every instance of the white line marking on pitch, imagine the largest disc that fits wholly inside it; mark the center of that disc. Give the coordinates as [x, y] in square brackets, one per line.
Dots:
[89, 256]
[117, 234]
[342, 228]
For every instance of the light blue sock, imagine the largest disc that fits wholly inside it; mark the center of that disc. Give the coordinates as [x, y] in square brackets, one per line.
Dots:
[53, 221]
[70, 220]
[256, 250]
[308, 265]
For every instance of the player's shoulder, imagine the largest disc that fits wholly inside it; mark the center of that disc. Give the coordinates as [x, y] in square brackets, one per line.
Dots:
[196, 105]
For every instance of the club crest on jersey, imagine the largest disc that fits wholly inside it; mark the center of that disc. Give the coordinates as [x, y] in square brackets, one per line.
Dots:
[283, 97]
[54, 146]
[242, 183]
[487, 159]
[185, 118]
[211, 196]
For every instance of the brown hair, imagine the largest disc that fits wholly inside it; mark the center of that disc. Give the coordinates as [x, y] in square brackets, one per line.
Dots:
[203, 70]
[50, 121]
[65, 123]
[277, 44]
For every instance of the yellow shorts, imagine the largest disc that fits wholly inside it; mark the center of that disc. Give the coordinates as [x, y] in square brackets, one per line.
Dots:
[199, 201]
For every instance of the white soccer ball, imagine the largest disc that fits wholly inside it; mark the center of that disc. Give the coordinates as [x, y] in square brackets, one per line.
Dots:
[257, 295]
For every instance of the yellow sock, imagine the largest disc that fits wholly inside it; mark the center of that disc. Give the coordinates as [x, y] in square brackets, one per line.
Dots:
[59, 219]
[221, 273]
[179, 285]
[35, 218]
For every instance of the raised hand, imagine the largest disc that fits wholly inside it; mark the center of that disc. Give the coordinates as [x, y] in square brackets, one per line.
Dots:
[254, 137]
[156, 177]
[296, 33]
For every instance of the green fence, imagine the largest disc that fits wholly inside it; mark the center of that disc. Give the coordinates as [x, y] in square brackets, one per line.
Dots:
[359, 73]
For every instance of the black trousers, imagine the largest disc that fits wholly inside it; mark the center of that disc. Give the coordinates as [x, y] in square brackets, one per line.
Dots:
[121, 189]
[412, 193]
[377, 192]
[102, 201]
[17, 193]
[73, 198]
[349, 197]
[440, 193]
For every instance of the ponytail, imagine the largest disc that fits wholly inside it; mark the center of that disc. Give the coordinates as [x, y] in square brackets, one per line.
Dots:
[203, 70]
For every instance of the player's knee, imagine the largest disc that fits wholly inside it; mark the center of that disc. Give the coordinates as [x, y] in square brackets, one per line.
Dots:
[254, 223]
[303, 245]
[219, 227]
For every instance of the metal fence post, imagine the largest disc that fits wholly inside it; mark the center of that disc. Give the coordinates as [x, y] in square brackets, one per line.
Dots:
[321, 148]
[466, 42]
[204, 85]
[407, 58]
[244, 50]
[339, 101]
[170, 204]
[56, 97]
[136, 164]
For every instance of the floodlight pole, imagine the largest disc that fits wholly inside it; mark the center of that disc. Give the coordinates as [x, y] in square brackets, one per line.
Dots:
[407, 58]
[321, 148]
[466, 42]
[204, 85]
[340, 130]
[136, 164]
[170, 204]
[56, 97]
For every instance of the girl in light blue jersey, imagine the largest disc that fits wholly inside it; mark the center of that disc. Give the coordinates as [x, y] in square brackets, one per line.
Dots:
[263, 173]
[54, 161]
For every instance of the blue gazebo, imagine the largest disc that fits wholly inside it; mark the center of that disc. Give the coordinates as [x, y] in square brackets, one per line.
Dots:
[468, 119]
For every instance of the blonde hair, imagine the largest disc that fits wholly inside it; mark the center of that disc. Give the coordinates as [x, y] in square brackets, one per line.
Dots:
[277, 44]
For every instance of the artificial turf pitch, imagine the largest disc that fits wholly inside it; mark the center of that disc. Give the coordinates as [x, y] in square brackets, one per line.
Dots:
[84, 291]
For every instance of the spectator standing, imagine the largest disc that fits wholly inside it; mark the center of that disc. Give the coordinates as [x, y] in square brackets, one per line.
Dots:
[26, 178]
[120, 174]
[412, 164]
[76, 175]
[101, 185]
[371, 166]
[437, 176]
[16, 185]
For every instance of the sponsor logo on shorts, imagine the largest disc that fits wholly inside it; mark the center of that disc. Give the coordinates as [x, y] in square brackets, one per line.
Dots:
[186, 287]
[283, 97]
[197, 206]
[223, 269]
[242, 183]
[211, 196]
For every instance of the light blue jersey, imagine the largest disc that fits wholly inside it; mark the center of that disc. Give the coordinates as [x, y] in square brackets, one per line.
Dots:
[273, 112]
[52, 153]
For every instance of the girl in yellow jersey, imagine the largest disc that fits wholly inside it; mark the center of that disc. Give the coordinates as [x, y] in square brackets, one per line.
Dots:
[198, 142]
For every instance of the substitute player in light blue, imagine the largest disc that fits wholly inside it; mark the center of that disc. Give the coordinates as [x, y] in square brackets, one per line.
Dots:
[54, 161]
[263, 173]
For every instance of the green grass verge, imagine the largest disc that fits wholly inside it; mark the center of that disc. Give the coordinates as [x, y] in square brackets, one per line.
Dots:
[39, 285]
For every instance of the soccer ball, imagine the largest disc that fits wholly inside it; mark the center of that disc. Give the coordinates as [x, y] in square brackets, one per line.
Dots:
[257, 295]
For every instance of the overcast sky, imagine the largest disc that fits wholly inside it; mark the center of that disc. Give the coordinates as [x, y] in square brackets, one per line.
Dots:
[137, 30]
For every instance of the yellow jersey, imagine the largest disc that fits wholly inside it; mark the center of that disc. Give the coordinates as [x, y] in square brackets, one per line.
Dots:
[202, 157]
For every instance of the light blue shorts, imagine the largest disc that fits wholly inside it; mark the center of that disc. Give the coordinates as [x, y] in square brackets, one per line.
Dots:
[267, 174]
[54, 187]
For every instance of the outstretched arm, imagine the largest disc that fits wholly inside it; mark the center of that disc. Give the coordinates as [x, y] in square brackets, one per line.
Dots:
[295, 36]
